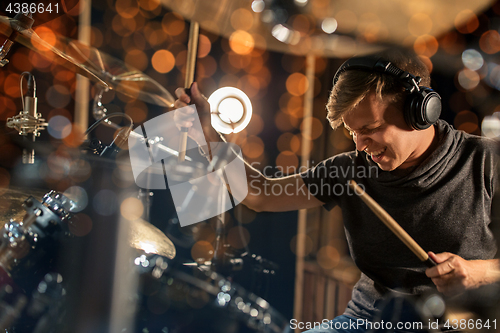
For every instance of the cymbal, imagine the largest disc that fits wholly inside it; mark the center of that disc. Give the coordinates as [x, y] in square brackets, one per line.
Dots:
[29, 38]
[88, 61]
[148, 238]
[362, 26]
[11, 202]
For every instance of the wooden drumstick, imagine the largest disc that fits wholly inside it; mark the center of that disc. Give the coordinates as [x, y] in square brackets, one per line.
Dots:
[192, 52]
[392, 225]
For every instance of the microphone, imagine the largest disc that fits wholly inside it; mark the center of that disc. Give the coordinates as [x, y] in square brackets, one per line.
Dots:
[21, 22]
[30, 108]
[28, 121]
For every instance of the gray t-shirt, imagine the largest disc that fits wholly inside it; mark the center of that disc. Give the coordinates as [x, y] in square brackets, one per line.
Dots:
[444, 204]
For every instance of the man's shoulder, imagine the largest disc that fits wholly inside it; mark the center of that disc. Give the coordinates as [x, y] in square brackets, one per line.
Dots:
[480, 144]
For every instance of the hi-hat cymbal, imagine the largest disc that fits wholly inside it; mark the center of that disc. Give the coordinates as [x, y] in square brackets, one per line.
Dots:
[148, 238]
[359, 23]
[91, 63]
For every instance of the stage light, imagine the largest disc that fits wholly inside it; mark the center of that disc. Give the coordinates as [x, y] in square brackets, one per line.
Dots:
[231, 110]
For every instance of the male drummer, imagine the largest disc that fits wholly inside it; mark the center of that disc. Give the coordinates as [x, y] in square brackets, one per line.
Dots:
[437, 182]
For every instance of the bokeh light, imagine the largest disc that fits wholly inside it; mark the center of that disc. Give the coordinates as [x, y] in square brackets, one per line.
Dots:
[241, 19]
[490, 42]
[59, 127]
[420, 24]
[105, 202]
[258, 5]
[466, 21]
[163, 61]
[472, 59]
[490, 127]
[131, 208]
[238, 237]
[466, 121]
[288, 162]
[297, 84]
[58, 96]
[202, 251]
[253, 147]
[241, 42]
[329, 25]
[305, 240]
[328, 257]
[78, 195]
[468, 79]
[127, 8]
[80, 225]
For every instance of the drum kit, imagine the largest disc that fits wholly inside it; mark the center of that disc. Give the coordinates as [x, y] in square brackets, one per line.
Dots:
[172, 296]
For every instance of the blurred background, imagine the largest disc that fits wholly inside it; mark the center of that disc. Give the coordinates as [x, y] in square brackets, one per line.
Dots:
[282, 55]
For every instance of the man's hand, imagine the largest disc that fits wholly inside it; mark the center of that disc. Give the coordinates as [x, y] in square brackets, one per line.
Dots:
[184, 117]
[454, 275]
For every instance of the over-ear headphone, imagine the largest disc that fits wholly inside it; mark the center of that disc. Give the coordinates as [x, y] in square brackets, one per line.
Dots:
[422, 106]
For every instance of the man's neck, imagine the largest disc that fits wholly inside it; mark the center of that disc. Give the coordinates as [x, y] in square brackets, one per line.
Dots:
[429, 142]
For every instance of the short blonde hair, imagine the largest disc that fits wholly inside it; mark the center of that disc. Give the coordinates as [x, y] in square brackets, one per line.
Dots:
[354, 85]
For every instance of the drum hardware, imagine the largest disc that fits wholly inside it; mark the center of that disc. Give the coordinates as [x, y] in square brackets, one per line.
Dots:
[23, 242]
[100, 114]
[41, 219]
[173, 293]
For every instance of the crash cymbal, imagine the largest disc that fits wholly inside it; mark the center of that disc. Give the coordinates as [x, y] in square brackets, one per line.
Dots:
[29, 38]
[91, 63]
[148, 238]
[296, 26]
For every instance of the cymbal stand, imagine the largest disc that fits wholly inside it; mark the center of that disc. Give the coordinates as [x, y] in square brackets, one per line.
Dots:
[219, 257]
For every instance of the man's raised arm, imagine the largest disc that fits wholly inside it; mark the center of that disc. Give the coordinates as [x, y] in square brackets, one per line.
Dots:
[264, 194]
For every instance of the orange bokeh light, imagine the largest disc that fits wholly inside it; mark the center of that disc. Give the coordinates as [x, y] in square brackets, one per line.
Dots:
[466, 21]
[163, 61]
[204, 46]
[288, 162]
[47, 39]
[297, 84]
[137, 58]
[241, 42]
[490, 42]
[253, 147]
[173, 24]
[127, 8]
[426, 45]
[242, 19]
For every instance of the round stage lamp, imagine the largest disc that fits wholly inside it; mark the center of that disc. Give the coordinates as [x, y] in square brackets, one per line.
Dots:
[231, 110]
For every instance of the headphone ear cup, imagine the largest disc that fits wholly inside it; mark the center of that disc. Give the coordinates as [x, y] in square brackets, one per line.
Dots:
[422, 108]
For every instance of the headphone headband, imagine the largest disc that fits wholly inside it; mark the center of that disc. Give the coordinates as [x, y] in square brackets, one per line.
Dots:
[377, 64]
[422, 106]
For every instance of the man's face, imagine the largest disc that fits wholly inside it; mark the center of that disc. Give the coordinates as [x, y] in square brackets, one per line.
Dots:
[378, 128]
